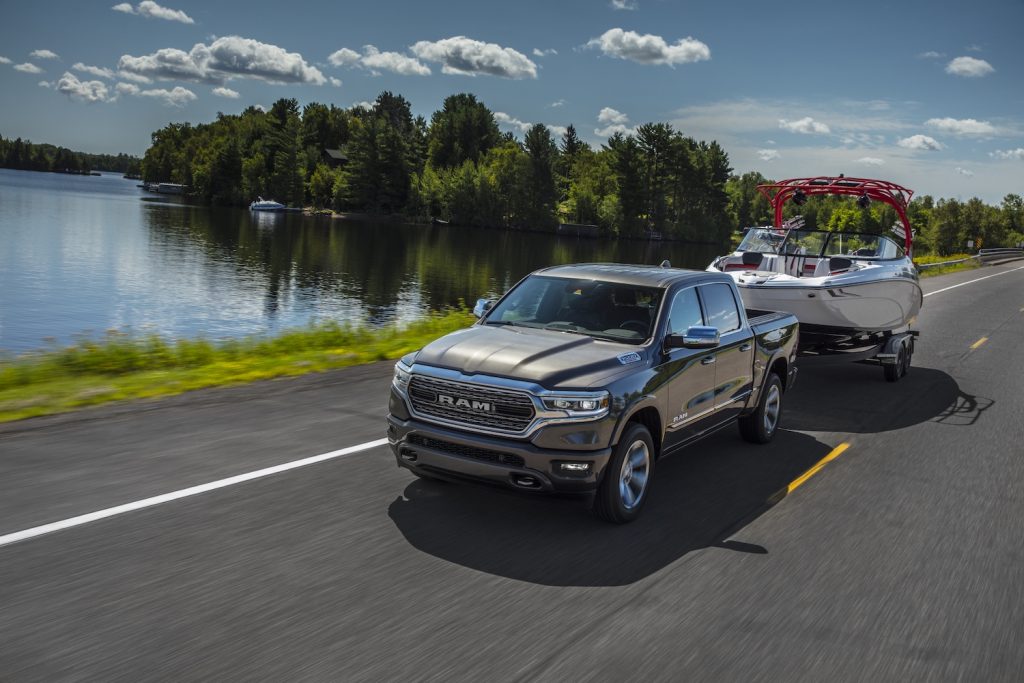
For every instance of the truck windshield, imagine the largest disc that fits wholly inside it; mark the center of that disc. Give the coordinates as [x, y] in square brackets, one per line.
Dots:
[603, 310]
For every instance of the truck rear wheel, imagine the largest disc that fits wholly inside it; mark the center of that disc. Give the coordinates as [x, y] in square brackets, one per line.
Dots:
[760, 426]
[627, 477]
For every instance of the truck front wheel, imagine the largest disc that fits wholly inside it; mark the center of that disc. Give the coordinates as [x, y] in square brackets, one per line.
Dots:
[627, 477]
[760, 426]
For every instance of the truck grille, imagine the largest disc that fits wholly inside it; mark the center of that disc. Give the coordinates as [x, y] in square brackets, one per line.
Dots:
[473, 405]
[484, 454]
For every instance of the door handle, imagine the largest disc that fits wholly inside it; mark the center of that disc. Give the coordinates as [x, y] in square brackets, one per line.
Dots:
[745, 347]
[707, 360]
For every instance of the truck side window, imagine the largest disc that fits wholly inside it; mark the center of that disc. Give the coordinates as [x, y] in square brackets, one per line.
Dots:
[685, 312]
[721, 307]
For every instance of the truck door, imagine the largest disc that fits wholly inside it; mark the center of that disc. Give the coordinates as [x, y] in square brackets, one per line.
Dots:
[690, 374]
[734, 358]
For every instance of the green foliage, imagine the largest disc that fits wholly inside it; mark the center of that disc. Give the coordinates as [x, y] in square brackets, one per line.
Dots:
[26, 156]
[463, 130]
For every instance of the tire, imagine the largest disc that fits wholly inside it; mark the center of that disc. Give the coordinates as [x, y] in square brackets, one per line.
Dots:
[626, 484]
[894, 372]
[760, 426]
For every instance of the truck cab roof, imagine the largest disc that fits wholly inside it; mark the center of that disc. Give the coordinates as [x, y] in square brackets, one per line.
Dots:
[636, 275]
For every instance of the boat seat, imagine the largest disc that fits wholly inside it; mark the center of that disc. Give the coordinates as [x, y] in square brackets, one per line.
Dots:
[752, 259]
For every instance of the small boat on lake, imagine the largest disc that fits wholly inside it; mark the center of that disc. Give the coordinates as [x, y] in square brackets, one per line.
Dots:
[262, 204]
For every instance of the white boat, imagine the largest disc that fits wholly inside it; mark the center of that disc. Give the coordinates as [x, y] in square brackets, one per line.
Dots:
[839, 285]
[262, 204]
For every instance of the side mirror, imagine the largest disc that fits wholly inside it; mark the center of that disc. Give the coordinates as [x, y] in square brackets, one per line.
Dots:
[696, 337]
[482, 306]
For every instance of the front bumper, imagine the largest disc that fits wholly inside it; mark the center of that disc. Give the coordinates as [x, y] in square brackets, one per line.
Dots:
[451, 454]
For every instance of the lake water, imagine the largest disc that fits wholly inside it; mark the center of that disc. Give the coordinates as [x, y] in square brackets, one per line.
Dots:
[85, 254]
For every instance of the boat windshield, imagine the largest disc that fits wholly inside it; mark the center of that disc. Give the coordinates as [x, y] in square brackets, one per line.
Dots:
[763, 240]
[820, 243]
[604, 310]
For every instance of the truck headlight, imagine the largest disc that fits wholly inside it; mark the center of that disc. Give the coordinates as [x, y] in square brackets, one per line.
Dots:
[402, 376]
[579, 405]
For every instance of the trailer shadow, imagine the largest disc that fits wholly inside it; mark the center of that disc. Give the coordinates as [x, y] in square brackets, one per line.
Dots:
[855, 399]
[699, 498]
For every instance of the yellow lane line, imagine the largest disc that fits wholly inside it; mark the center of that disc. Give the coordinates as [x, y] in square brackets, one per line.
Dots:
[782, 493]
[978, 343]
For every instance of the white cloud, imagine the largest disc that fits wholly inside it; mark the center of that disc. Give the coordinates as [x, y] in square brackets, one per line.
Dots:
[223, 59]
[768, 154]
[1008, 153]
[609, 115]
[931, 54]
[93, 70]
[557, 103]
[615, 122]
[505, 120]
[806, 126]
[4, 60]
[135, 78]
[44, 54]
[82, 91]
[969, 67]
[624, 5]
[368, 106]
[127, 89]
[28, 68]
[920, 142]
[374, 60]
[537, 52]
[974, 48]
[468, 57]
[650, 49]
[964, 171]
[178, 97]
[344, 57]
[870, 161]
[226, 92]
[336, 82]
[45, 84]
[152, 10]
[961, 126]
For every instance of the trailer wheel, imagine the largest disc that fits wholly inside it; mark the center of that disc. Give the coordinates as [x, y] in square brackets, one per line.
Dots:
[894, 372]
[760, 426]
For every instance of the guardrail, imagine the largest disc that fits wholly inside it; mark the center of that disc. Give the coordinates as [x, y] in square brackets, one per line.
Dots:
[983, 256]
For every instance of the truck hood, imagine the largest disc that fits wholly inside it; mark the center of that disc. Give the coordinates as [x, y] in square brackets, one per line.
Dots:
[554, 360]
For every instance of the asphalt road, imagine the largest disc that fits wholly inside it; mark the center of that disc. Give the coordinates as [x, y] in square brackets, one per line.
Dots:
[901, 559]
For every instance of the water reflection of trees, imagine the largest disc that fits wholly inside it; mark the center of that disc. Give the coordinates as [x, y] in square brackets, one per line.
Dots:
[295, 259]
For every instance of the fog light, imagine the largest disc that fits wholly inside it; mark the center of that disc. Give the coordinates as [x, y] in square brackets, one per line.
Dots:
[575, 467]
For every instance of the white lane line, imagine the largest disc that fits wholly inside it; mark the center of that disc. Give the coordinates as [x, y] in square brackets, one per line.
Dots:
[183, 493]
[946, 289]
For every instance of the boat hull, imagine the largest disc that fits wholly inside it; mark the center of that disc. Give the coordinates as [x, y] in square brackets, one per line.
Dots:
[871, 306]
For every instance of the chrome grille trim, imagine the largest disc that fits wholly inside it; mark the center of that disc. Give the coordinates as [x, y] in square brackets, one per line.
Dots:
[512, 411]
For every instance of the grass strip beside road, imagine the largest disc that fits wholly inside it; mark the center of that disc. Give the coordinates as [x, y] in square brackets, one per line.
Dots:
[121, 367]
[970, 264]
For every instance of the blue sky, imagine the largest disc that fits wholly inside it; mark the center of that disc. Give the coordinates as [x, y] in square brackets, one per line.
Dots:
[930, 95]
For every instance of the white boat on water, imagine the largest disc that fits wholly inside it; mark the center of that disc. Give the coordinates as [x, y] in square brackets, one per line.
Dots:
[838, 284]
[262, 204]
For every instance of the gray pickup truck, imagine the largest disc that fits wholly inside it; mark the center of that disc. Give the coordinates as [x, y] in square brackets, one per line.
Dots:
[581, 377]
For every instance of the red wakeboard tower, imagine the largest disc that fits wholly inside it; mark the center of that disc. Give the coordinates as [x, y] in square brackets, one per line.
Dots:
[865, 189]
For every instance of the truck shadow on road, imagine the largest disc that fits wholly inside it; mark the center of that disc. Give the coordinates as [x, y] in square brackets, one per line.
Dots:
[856, 399]
[699, 497]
